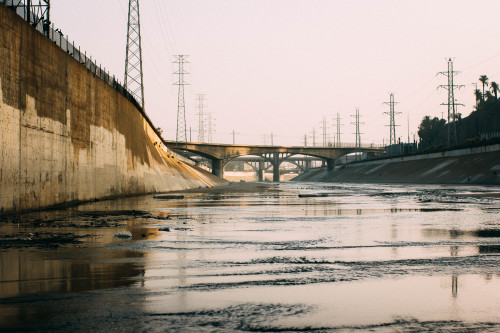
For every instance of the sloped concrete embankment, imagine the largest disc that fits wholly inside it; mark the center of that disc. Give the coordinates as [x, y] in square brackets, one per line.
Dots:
[479, 165]
[68, 136]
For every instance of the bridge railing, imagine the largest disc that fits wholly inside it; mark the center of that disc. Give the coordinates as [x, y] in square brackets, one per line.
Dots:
[58, 38]
[350, 145]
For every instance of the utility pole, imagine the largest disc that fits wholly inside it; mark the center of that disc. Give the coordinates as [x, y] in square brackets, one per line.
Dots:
[133, 59]
[314, 137]
[408, 125]
[272, 139]
[234, 137]
[234, 140]
[392, 123]
[305, 140]
[452, 115]
[358, 133]
[338, 142]
[201, 118]
[181, 135]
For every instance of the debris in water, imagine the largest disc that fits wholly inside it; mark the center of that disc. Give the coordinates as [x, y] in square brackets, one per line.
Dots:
[123, 234]
[167, 197]
[314, 195]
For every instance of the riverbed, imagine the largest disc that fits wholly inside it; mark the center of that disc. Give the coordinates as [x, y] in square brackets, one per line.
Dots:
[265, 257]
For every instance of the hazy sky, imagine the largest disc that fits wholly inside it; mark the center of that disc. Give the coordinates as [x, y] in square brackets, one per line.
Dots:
[280, 66]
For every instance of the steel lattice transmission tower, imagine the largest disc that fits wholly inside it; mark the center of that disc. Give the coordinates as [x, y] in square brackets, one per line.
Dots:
[452, 114]
[338, 143]
[358, 133]
[211, 127]
[324, 129]
[392, 123]
[201, 117]
[36, 12]
[133, 59]
[181, 133]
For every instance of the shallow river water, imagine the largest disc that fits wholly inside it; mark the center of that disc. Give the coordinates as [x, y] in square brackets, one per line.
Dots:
[261, 258]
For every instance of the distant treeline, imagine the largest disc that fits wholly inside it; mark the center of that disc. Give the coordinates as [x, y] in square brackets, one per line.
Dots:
[482, 124]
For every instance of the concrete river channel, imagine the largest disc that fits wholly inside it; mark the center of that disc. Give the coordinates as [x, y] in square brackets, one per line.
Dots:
[259, 257]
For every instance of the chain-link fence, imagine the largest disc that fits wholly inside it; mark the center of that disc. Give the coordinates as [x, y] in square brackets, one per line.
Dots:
[33, 16]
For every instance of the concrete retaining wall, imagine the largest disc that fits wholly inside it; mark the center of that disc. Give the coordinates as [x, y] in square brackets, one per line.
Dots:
[67, 136]
[479, 165]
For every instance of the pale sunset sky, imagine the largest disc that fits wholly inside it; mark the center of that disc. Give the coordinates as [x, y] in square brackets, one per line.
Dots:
[280, 66]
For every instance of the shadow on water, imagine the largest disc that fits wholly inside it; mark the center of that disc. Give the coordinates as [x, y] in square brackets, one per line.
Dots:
[489, 249]
[456, 233]
[60, 253]
[24, 273]
[31, 286]
[244, 260]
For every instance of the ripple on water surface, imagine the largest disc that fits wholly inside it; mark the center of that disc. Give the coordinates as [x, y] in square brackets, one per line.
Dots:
[339, 257]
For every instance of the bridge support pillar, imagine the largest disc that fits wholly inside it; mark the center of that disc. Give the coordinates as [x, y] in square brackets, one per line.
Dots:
[308, 165]
[261, 170]
[217, 168]
[330, 164]
[276, 166]
[276, 174]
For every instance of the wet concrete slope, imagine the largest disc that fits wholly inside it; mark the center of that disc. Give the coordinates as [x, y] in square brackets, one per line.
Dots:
[467, 166]
[68, 136]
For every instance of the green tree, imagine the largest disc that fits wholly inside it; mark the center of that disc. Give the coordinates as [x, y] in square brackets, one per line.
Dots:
[494, 88]
[489, 96]
[484, 80]
[430, 130]
[479, 97]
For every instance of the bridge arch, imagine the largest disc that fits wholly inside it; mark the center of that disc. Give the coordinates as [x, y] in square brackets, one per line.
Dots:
[268, 161]
[220, 153]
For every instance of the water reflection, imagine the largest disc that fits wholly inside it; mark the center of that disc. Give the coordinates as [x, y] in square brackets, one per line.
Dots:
[485, 249]
[24, 273]
[363, 257]
[457, 233]
[454, 286]
[66, 251]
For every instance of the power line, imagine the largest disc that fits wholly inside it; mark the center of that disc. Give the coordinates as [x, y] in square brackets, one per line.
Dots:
[171, 35]
[163, 30]
[392, 123]
[452, 115]
[151, 45]
[133, 60]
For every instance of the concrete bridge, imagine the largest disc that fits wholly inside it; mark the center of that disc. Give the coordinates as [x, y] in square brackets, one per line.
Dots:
[221, 154]
[260, 164]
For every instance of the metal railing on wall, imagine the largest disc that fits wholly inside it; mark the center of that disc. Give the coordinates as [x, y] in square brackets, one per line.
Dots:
[58, 38]
[348, 145]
